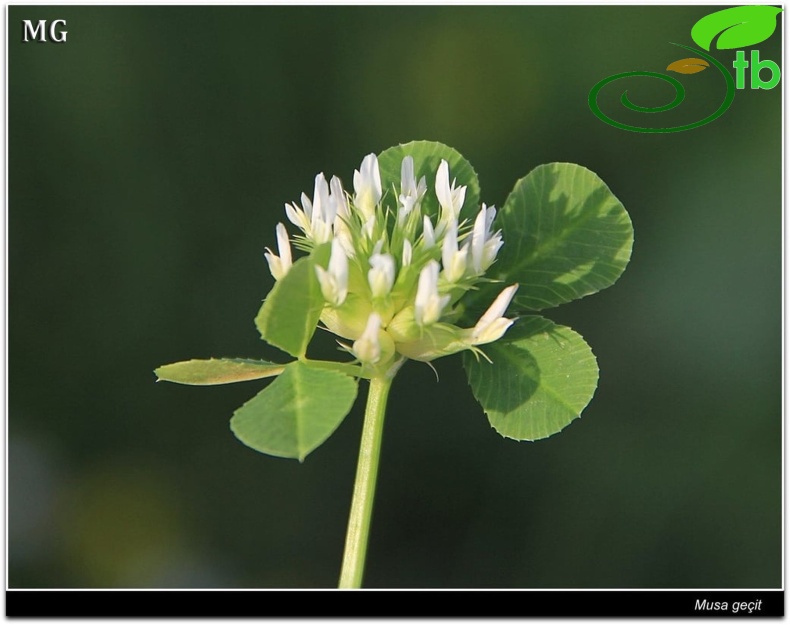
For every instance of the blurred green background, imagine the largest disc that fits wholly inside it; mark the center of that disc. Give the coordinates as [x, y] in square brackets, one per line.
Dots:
[149, 160]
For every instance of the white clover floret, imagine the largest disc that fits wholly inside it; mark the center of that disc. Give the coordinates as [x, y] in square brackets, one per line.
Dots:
[381, 276]
[367, 186]
[428, 304]
[367, 347]
[279, 265]
[334, 279]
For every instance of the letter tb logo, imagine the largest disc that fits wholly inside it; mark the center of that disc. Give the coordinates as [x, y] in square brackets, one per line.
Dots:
[740, 64]
[735, 27]
[39, 31]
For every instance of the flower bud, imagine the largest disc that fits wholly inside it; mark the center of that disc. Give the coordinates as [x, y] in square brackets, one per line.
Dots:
[451, 198]
[279, 265]
[453, 259]
[484, 244]
[367, 347]
[381, 276]
[367, 185]
[492, 325]
[428, 304]
[334, 279]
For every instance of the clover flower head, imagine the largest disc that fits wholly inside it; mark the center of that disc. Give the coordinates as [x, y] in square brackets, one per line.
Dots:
[393, 275]
[398, 266]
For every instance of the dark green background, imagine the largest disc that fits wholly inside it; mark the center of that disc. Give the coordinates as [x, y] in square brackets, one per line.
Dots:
[149, 160]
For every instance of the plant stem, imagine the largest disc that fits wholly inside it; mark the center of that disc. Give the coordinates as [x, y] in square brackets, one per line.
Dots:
[365, 484]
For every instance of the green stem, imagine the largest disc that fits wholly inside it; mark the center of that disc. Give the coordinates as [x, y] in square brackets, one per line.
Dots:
[365, 484]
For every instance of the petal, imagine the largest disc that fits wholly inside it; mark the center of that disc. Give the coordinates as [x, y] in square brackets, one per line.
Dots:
[407, 252]
[381, 276]
[322, 207]
[307, 205]
[275, 266]
[428, 234]
[479, 240]
[338, 197]
[367, 347]
[297, 217]
[449, 246]
[283, 245]
[427, 298]
[408, 184]
[443, 185]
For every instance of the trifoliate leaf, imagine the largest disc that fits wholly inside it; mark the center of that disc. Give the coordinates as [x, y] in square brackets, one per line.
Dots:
[295, 413]
[541, 377]
[217, 371]
[289, 315]
[565, 236]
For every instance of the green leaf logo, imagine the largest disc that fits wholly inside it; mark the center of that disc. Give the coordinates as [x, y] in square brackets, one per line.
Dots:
[737, 27]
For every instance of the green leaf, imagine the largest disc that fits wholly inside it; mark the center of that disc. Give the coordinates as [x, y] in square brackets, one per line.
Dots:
[565, 236]
[739, 27]
[541, 377]
[427, 156]
[217, 371]
[295, 413]
[289, 315]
